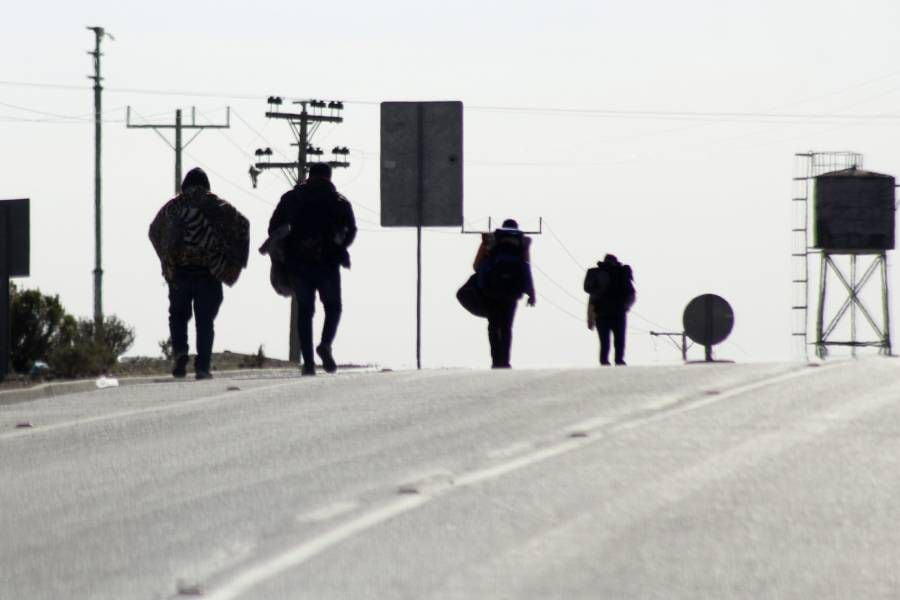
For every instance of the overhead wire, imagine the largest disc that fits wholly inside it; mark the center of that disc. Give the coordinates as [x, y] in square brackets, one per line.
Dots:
[578, 263]
[229, 138]
[257, 133]
[88, 118]
[247, 192]
[668, 114]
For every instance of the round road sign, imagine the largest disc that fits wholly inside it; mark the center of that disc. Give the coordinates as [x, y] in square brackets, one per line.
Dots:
[708, 319]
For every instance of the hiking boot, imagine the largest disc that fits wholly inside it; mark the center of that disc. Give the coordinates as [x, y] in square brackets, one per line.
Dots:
[179, 371]
[328, 363]
[308, 370]
[203, 375]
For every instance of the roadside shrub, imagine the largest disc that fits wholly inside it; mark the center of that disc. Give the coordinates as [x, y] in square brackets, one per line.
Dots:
[165, 346]
[85, 349]
[254, 361]
[40, 329]
[35, 324]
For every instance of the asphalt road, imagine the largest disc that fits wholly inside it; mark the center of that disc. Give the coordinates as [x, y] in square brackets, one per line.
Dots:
[720, 481]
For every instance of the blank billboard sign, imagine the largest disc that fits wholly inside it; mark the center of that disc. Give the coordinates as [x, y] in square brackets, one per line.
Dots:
[421, 161]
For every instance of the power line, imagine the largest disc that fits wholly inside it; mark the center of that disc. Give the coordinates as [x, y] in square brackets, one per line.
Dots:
[51, 121]
[667, 114]
[255, 131]
[228, 181]
[563, 246]
[577, 262]
[88, 118]
[558, 285]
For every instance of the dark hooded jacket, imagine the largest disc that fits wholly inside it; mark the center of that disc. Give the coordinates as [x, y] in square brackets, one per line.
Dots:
[322, 225]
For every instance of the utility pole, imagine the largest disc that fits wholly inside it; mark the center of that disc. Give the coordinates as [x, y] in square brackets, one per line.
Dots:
[178, 126]
[303, 125]
[99, 32]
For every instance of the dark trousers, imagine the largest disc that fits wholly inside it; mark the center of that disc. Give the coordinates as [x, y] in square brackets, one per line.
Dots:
[197, 292]
[307, 281]
[500, 321]
[616, 325]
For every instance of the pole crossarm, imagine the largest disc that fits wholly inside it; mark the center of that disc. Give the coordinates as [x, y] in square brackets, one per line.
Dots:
[297, 117]
[178, 126]
[192, 125]
[490, 229]
[277, 165]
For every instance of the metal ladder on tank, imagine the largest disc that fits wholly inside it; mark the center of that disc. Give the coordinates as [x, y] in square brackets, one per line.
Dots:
[807, 165]
[800, 254]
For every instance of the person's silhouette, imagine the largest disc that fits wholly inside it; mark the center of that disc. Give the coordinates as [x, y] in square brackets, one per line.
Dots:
[504, 274]
[610, 296]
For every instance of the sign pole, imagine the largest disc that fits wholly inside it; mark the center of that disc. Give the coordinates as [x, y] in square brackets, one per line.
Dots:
[419, 218]
[14, 262]
[421, 174]
[4, 296]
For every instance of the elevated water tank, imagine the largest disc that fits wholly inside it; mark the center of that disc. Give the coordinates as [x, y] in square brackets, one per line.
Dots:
[854, 211]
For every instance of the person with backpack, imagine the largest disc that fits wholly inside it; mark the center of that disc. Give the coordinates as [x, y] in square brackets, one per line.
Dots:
[611, 294]
[202, 242]
[503, 274]
[321, 228]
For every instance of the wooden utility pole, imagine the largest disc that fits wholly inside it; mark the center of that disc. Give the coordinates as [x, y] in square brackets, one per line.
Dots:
[303, 125]
[178, 126]
[99, 32]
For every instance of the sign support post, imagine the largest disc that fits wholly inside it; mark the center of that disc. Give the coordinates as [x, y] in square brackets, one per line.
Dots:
[419, 216]
[421, 174]
[14, 259]
[4, 296]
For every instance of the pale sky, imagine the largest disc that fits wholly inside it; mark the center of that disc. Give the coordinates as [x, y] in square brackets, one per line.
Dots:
[695, 202]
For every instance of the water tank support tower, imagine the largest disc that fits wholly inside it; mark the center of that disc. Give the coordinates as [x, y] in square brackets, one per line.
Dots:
[853, 229]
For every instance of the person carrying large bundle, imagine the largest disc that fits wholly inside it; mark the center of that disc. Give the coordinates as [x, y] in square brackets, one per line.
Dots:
[503, 274]
[202, 241]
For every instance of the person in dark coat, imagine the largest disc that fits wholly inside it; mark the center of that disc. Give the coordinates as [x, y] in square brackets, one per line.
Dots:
[322, 227]
[611, 295]
[504, 274]
[202, 242]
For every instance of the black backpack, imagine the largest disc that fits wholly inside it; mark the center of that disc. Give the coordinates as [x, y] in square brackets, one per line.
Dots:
[611, 287]
[312, 230]
[502, 274]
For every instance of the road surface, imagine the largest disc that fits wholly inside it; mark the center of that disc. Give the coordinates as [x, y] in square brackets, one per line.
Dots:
[700, 481]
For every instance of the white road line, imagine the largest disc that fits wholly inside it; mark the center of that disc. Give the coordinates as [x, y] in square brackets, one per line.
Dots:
[296, 556]
[593, 423]
[668, 403]
[137, 412]
[326, 513]
[714, 399]
[623, 511]
[511, 450]
[302, 553]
